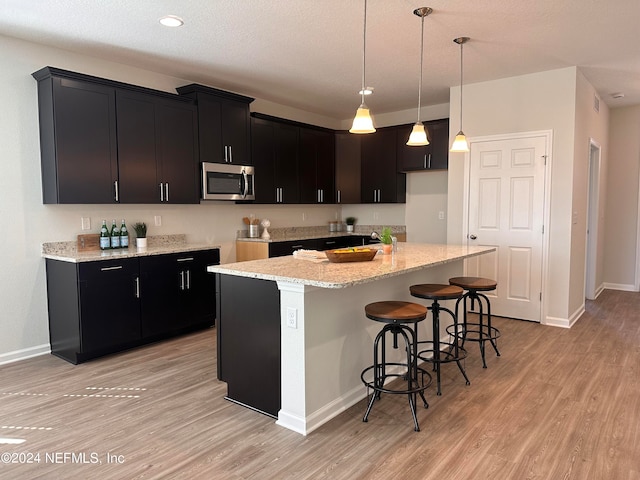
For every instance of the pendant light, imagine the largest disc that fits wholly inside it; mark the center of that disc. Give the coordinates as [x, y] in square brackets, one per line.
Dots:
[418, 136]
[460, 143]
[363, 123]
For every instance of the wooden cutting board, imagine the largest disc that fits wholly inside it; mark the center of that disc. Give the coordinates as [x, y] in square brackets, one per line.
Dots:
[87, 242]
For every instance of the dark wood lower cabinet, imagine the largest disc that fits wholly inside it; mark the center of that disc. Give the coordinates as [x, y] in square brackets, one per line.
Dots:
[248, 330]
[102, 307]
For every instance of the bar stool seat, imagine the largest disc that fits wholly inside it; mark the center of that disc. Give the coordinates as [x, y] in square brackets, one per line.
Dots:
[397, 317]
[479, 331]
[454, 353]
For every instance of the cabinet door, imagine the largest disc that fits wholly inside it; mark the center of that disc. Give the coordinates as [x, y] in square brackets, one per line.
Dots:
[236, 131]
[162, 286]
[439, 144]
[177, 291]
[316, 166]
[137, 165]
[381, 183]
[434, 156]
[157, 155]
[177, 155]
[275, 159]
[263, 153]
[347, 165]
[109, 304]
[77, 141]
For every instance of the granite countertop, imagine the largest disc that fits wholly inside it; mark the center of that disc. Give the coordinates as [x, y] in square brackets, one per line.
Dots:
[322, 273]
[157, 245]
[306, 233]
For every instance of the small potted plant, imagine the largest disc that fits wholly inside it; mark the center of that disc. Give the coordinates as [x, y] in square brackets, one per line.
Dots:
[141, 234]
[350, 221]
[387, 240]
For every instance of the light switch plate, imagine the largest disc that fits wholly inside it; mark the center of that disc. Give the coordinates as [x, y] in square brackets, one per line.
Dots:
[86, 223]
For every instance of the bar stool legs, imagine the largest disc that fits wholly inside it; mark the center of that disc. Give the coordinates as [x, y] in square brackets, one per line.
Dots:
[396, 315]
[455, 352]
[480, 331]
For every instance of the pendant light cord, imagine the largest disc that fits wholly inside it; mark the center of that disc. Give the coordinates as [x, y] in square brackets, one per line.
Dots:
[421, 60]
[364, 49]
[461, 47]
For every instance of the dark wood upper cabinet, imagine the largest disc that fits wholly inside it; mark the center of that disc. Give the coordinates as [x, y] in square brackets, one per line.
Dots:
[348, 169]
[224, 129]
[78, 143]
[106, 142]
[316, 167]
[434, 156]
[157, 154]
[380, 180]
[275, 159]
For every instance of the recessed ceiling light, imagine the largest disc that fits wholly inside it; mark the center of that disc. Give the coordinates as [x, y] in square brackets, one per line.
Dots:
[366, 91]
[617, 95]
[171, 21]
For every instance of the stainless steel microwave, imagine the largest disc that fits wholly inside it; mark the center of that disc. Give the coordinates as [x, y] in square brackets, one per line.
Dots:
[227, 182]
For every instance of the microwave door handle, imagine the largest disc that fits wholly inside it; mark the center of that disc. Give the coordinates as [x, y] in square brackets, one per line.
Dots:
[245, 179]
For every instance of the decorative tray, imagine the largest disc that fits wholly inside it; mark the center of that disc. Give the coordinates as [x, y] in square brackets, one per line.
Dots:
[352, 254]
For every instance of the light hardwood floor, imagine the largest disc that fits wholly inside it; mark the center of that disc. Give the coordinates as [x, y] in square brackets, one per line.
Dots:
[558, 404]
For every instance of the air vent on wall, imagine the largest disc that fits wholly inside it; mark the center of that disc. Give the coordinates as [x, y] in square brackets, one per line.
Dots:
[596, 103]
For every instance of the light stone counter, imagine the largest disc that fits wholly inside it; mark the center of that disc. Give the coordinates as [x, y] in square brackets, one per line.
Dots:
[325, 338]
[410, 257]
[158, 245]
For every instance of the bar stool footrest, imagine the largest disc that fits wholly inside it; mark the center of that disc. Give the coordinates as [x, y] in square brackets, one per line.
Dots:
[421, 385]
[447, 354]
[474, 332]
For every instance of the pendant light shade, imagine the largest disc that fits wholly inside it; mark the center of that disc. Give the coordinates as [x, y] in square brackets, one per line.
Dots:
[363, 123]
[460, 142]
[418, 136]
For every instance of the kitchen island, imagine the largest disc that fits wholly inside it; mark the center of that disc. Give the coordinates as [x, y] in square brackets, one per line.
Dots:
[292, 334]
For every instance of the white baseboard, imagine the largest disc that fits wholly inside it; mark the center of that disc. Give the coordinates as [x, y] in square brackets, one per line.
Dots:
[25, 353]
[620, 286]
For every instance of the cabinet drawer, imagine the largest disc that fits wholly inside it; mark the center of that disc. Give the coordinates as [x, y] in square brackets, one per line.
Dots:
[108, 268]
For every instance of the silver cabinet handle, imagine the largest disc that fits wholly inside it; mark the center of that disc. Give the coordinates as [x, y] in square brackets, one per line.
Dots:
[338, 196]
[230, 154]
[161, 193]
[116, 189]
[375, 196]
[166, 188]
[106, 269]
[181, 279]
[425, 161]
[226, 154]
[429, 164]
[185, 259]
[188, 279]
[137, 284]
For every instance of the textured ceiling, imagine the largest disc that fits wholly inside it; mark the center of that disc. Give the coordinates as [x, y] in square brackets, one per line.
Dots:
[308, 53]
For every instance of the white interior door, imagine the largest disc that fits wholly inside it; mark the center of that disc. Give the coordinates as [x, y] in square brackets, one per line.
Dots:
[506, 210]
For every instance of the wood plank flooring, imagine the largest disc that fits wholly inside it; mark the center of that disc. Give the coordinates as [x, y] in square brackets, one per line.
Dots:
[558, 404]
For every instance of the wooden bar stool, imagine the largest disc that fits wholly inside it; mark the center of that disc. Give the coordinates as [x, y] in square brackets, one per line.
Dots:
[455, 353]
[480, 331]
[397, 317]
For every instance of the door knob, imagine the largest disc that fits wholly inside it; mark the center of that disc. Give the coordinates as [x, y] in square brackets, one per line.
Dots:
[472, 236]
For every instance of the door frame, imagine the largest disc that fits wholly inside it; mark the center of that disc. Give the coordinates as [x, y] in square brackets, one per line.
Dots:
[591, 289]
[548, 135]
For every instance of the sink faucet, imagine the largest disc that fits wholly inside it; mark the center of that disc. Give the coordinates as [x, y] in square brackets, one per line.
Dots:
[375, 235]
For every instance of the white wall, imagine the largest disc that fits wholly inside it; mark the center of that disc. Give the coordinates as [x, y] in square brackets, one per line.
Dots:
[540, 101]
[622, 199]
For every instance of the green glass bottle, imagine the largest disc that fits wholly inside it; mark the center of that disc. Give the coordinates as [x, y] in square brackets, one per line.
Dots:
[105, 237]
[115, 235]
[124, 235]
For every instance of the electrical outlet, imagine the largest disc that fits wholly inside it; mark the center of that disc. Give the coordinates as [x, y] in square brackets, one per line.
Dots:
[158, 220]
[440, 215]
[304, 217]
[86, 223]
[292, 317]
